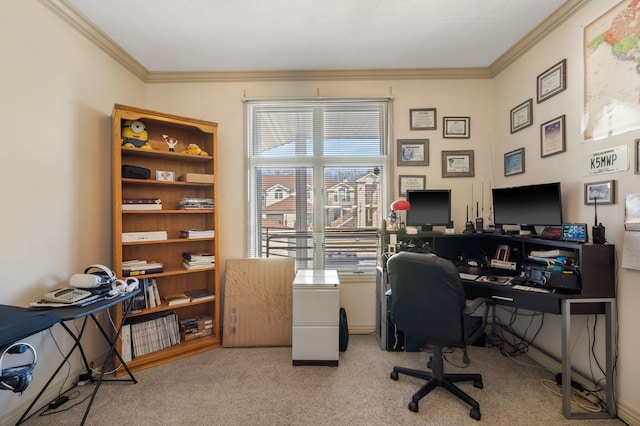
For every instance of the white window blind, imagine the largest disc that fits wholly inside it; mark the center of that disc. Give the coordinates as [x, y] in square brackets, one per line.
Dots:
[319, 166]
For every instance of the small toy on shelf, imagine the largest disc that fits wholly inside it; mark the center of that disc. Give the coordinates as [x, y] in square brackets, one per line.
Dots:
[134, 135]
[194, 149]
[171, 142]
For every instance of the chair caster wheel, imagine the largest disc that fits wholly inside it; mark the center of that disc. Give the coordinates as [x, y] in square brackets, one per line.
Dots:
[475, 413]
[478, 384]
[413, 406]
[393, 375]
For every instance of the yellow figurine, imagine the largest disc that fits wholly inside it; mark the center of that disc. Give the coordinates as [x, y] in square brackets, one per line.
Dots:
[134, 135]
[194, 149]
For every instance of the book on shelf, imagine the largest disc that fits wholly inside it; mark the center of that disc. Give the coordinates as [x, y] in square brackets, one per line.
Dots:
[130, 237]
[155, 292]
[197, 233]
[144, 269]
[153, 332]
[200, 295]
[141, 201]
[177, 299]
[190, 267]
[129, 207]
[193, 257]
[125, 336]
[195, 204]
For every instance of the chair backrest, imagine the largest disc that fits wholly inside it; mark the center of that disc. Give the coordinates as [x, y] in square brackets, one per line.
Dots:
[427, 298]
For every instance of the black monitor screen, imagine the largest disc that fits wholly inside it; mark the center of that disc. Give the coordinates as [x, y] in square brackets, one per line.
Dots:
[528, 205]
[429, 207]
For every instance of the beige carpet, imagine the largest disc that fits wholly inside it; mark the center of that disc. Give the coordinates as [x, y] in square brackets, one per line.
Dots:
[259, 386]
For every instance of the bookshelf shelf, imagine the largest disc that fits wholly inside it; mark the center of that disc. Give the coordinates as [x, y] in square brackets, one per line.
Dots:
[174, 278]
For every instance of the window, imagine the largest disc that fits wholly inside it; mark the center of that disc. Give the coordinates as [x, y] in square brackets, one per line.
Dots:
[328, 160]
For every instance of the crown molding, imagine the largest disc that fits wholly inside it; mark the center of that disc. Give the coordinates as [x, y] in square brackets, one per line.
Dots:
[75, 19]
[78, 21]
[564, 12]
[322, 75]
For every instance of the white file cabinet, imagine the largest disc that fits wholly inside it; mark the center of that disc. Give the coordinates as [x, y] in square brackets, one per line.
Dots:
[316, 317]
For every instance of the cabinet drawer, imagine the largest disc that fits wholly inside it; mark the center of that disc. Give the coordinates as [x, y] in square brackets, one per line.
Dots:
[316, 306]
[315, 343]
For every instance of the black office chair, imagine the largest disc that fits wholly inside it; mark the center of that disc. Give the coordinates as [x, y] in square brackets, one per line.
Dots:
[428, 304]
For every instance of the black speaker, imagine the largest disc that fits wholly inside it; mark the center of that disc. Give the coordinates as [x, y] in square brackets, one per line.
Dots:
[344, 331]
[16, 379]
[135, 172]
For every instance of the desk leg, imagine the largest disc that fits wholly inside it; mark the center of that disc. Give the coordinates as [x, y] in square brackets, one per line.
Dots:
[76, 344]
[112, 350]
[566, 360]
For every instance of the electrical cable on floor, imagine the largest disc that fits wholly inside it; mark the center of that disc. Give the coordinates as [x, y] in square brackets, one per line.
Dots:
[576, 398]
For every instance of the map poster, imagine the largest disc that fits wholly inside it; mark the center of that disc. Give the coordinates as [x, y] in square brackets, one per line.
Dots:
[612, 72]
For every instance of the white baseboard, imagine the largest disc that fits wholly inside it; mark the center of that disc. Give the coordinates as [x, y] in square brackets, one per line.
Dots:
[362, 329]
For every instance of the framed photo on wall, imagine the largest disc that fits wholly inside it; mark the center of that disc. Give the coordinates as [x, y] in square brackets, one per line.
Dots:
[456, 127]
[552, 137]
[604, 192]
[457, 164]
[514, 162]
[552, 81]
[422, 119]
[413, 152]
[522, 116]
[411, 183]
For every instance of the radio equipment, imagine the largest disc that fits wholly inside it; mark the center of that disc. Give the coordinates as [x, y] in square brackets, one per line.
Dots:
[563, 279]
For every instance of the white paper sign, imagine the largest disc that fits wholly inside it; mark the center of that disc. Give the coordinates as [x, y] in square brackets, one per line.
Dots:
[608, 160]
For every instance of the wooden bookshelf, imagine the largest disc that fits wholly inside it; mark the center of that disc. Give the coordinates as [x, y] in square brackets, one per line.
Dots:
[174, 278]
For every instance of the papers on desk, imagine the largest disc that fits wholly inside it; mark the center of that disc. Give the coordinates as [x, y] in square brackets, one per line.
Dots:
[469, 277]
[83, 302]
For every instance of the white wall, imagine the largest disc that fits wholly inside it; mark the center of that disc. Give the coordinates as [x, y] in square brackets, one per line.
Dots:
[58, 91]
[514, 86]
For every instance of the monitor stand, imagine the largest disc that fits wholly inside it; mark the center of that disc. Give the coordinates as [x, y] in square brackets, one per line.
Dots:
[527, 230]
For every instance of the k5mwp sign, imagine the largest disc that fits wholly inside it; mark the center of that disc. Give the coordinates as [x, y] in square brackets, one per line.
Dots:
[610, 160]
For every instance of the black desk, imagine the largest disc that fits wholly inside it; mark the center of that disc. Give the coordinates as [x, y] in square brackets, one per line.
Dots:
[86, 312]
[16, 323]
[596, 294]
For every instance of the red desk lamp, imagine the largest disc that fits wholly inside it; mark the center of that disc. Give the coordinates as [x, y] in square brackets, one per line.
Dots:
[398, 205]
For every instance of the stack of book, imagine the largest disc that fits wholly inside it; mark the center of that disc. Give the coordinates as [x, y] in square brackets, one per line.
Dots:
[177, 299]
[197, 233]
[194, 327]
[200, 295]
[195, 204]
[198, 260]
[141, 204]
[144, 335]
[148, 298]
[132, 268]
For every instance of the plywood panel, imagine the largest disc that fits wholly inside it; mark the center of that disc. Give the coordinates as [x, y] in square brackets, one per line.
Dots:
[258, 302]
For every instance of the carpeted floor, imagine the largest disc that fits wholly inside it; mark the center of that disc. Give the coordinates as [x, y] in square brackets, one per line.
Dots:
[259, 386]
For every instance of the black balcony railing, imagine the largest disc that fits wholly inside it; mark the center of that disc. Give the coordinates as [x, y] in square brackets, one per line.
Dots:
[341, 249]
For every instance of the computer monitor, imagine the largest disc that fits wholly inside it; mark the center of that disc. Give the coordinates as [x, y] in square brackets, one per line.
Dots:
[528, 205]
[429, 207]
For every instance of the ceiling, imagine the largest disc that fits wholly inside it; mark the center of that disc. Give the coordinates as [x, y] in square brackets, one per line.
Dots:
[269, 35]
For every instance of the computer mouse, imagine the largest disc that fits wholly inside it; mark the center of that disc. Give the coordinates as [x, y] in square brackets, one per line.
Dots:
[492, 278]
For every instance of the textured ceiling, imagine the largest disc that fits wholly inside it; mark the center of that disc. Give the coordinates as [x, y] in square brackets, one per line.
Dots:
[269, 35]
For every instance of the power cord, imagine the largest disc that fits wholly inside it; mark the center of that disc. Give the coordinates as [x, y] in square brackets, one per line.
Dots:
[584, 399]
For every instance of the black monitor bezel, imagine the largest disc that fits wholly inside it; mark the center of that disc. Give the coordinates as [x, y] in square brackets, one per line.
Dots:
[427, 226]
